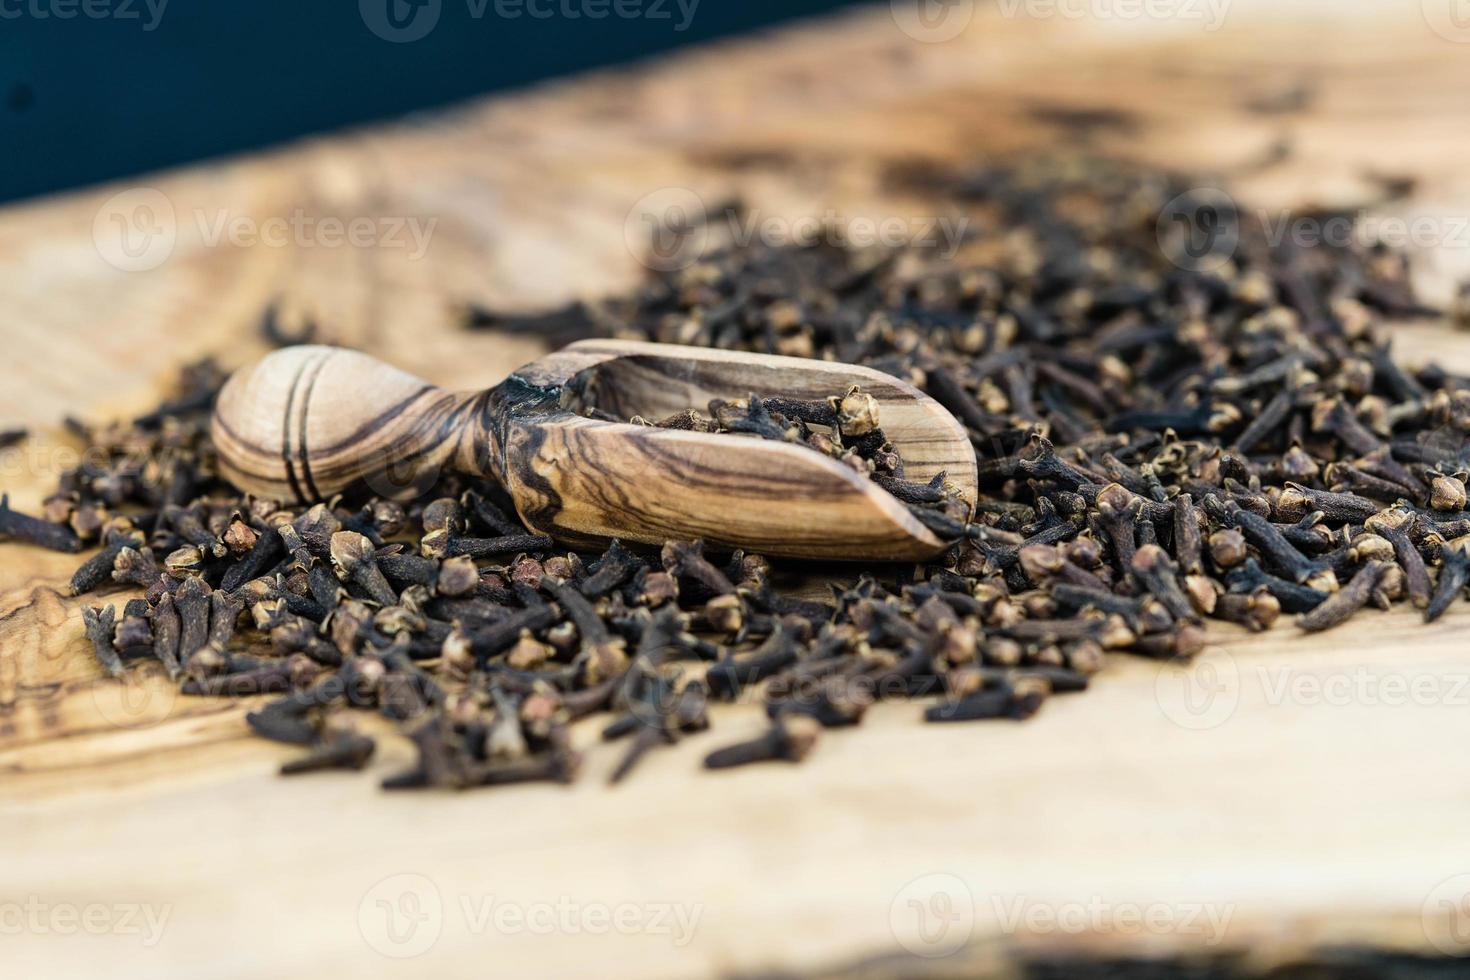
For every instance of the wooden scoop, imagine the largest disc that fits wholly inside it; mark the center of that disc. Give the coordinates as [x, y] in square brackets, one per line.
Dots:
[306, 422]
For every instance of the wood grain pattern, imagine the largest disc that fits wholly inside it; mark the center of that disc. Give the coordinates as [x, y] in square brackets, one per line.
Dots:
[306, 422]
[1319, 817]
[658, 379]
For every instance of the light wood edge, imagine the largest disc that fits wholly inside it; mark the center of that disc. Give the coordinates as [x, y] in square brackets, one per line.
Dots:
[855, 519]
[962, 469]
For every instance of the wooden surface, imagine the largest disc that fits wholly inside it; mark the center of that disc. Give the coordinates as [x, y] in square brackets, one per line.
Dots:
[1308, 792]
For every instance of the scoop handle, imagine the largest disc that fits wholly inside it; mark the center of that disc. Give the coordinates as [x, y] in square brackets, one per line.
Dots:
[306, 422]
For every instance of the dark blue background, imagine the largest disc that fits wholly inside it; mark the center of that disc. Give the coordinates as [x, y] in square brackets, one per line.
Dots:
[86, 98]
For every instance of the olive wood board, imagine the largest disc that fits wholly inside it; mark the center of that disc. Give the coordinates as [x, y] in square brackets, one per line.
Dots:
[1303, 792]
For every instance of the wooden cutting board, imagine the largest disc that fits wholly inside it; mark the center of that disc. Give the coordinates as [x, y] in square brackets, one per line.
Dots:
[1287, 794]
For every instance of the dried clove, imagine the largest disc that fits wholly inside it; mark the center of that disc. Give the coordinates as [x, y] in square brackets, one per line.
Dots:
[100, 623]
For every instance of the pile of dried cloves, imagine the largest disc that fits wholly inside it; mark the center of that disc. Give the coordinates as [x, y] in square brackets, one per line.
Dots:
[1159, 444]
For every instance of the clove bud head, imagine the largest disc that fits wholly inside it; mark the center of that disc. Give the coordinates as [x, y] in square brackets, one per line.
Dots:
[1447, 493]
[857, 413]
[351, 552]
